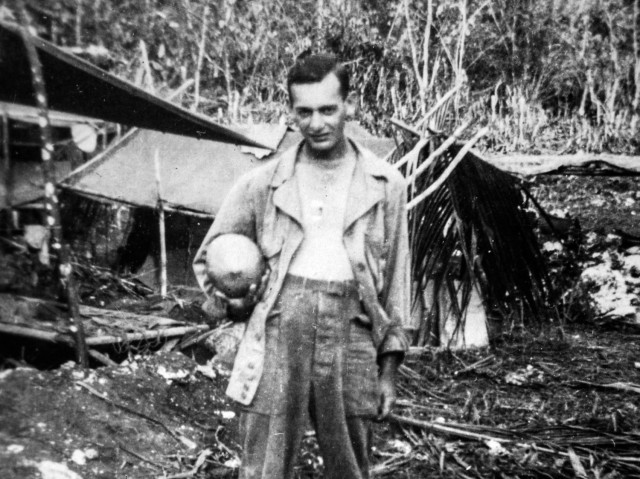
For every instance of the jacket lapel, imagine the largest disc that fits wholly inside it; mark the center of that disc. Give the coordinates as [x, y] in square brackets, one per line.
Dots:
[286, 196]
[365, 190]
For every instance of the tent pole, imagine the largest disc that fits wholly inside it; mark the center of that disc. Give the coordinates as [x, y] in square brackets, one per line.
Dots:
[8, 170]
[163, 240]
[52, 205]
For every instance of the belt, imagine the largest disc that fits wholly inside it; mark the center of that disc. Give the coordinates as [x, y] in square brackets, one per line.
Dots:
[340, 288]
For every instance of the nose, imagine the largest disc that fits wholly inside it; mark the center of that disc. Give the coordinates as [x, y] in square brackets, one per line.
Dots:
[316, 121]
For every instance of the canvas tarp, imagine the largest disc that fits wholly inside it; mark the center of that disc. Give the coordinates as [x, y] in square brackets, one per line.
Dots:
[76, 86]
[28, 182]
[588, 164]
[195, 175]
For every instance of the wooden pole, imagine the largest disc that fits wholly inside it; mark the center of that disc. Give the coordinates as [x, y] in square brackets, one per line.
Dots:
[636, 67]
[52, 205]
[146, 335]
[7, 168]
[163, 242]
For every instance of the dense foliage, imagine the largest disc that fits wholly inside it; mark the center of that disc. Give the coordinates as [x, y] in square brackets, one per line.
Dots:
[558, 74]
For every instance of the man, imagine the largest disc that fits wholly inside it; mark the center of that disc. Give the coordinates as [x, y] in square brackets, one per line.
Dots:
[325, 339]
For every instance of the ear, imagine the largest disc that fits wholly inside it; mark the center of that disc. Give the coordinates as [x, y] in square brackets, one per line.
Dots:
[291, 118]
[352, 105]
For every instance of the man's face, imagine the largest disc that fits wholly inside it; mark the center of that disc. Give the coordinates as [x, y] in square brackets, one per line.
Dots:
[320, 112]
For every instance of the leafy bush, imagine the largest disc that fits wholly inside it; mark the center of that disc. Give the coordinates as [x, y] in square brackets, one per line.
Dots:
[546, 74]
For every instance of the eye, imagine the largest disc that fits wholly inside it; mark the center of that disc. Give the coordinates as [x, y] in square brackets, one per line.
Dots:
[328, 110]
[303, 113]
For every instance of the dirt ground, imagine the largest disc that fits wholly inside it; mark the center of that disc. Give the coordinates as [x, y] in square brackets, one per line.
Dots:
[560, 401]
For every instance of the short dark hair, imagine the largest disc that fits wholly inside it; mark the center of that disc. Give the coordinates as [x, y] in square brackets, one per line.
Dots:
[314, 69]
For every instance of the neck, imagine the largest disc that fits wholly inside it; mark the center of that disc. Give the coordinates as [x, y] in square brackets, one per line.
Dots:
[333, 158]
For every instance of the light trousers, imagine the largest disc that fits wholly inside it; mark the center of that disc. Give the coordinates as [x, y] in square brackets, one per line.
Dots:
[320, 367]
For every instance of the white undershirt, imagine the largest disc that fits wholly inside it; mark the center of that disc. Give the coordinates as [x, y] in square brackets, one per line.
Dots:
[323, 188]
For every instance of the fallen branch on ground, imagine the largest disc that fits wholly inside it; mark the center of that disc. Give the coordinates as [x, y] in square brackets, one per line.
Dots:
[457, 431]
[139, 456]
[478, 364]
[617, 386]
[130, 410]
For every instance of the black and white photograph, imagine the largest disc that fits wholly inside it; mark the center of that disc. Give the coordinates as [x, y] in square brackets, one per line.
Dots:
[306, 239]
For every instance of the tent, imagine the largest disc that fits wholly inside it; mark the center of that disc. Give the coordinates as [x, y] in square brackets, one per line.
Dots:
[79, 92]
[195, 175]
[76, 86]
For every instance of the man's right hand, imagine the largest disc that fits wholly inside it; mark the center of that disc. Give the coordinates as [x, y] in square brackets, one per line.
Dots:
[239, 309]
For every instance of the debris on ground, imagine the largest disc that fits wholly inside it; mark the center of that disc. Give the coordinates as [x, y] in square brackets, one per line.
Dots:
[151, 416]
[559, 402]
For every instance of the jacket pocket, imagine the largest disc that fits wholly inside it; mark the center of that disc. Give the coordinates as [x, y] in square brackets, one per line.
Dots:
[376, 251]
[361, 368]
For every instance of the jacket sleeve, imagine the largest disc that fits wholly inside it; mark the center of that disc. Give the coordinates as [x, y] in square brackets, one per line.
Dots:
[396, 295]
[236, 215]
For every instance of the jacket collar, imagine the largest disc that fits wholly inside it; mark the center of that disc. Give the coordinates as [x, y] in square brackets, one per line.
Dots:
[364, 192]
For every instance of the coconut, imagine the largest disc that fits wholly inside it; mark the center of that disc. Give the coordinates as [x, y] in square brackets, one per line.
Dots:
[234, 263]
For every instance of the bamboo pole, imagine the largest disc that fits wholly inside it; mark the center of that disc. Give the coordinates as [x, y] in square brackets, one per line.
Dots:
[26, 332]
[7, 167]
[162, 333]
[55, 337]
[636, 65]
[162, 231]
[52, 205]
[446, 430]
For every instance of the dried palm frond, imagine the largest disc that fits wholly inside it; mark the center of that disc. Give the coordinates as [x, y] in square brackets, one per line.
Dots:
[473, 232]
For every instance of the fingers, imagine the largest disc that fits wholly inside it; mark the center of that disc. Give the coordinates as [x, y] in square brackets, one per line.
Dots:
[220, 295]
[263, 283]
[387, 400]
[234, 303]
[242, 307]
[386, 404]
[256, 291]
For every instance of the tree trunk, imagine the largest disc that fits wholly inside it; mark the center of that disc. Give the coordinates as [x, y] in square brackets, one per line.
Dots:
[636, 54]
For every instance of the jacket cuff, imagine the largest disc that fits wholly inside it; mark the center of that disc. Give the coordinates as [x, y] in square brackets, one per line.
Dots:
[395, 341]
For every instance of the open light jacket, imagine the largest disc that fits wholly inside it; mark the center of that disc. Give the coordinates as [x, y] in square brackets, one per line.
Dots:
[265, 206]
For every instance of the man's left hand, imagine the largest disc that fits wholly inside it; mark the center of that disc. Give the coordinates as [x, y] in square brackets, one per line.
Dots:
[387, 398]
[389, 364]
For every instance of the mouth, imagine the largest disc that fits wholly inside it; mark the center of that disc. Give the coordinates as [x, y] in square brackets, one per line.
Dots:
[320, 138]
